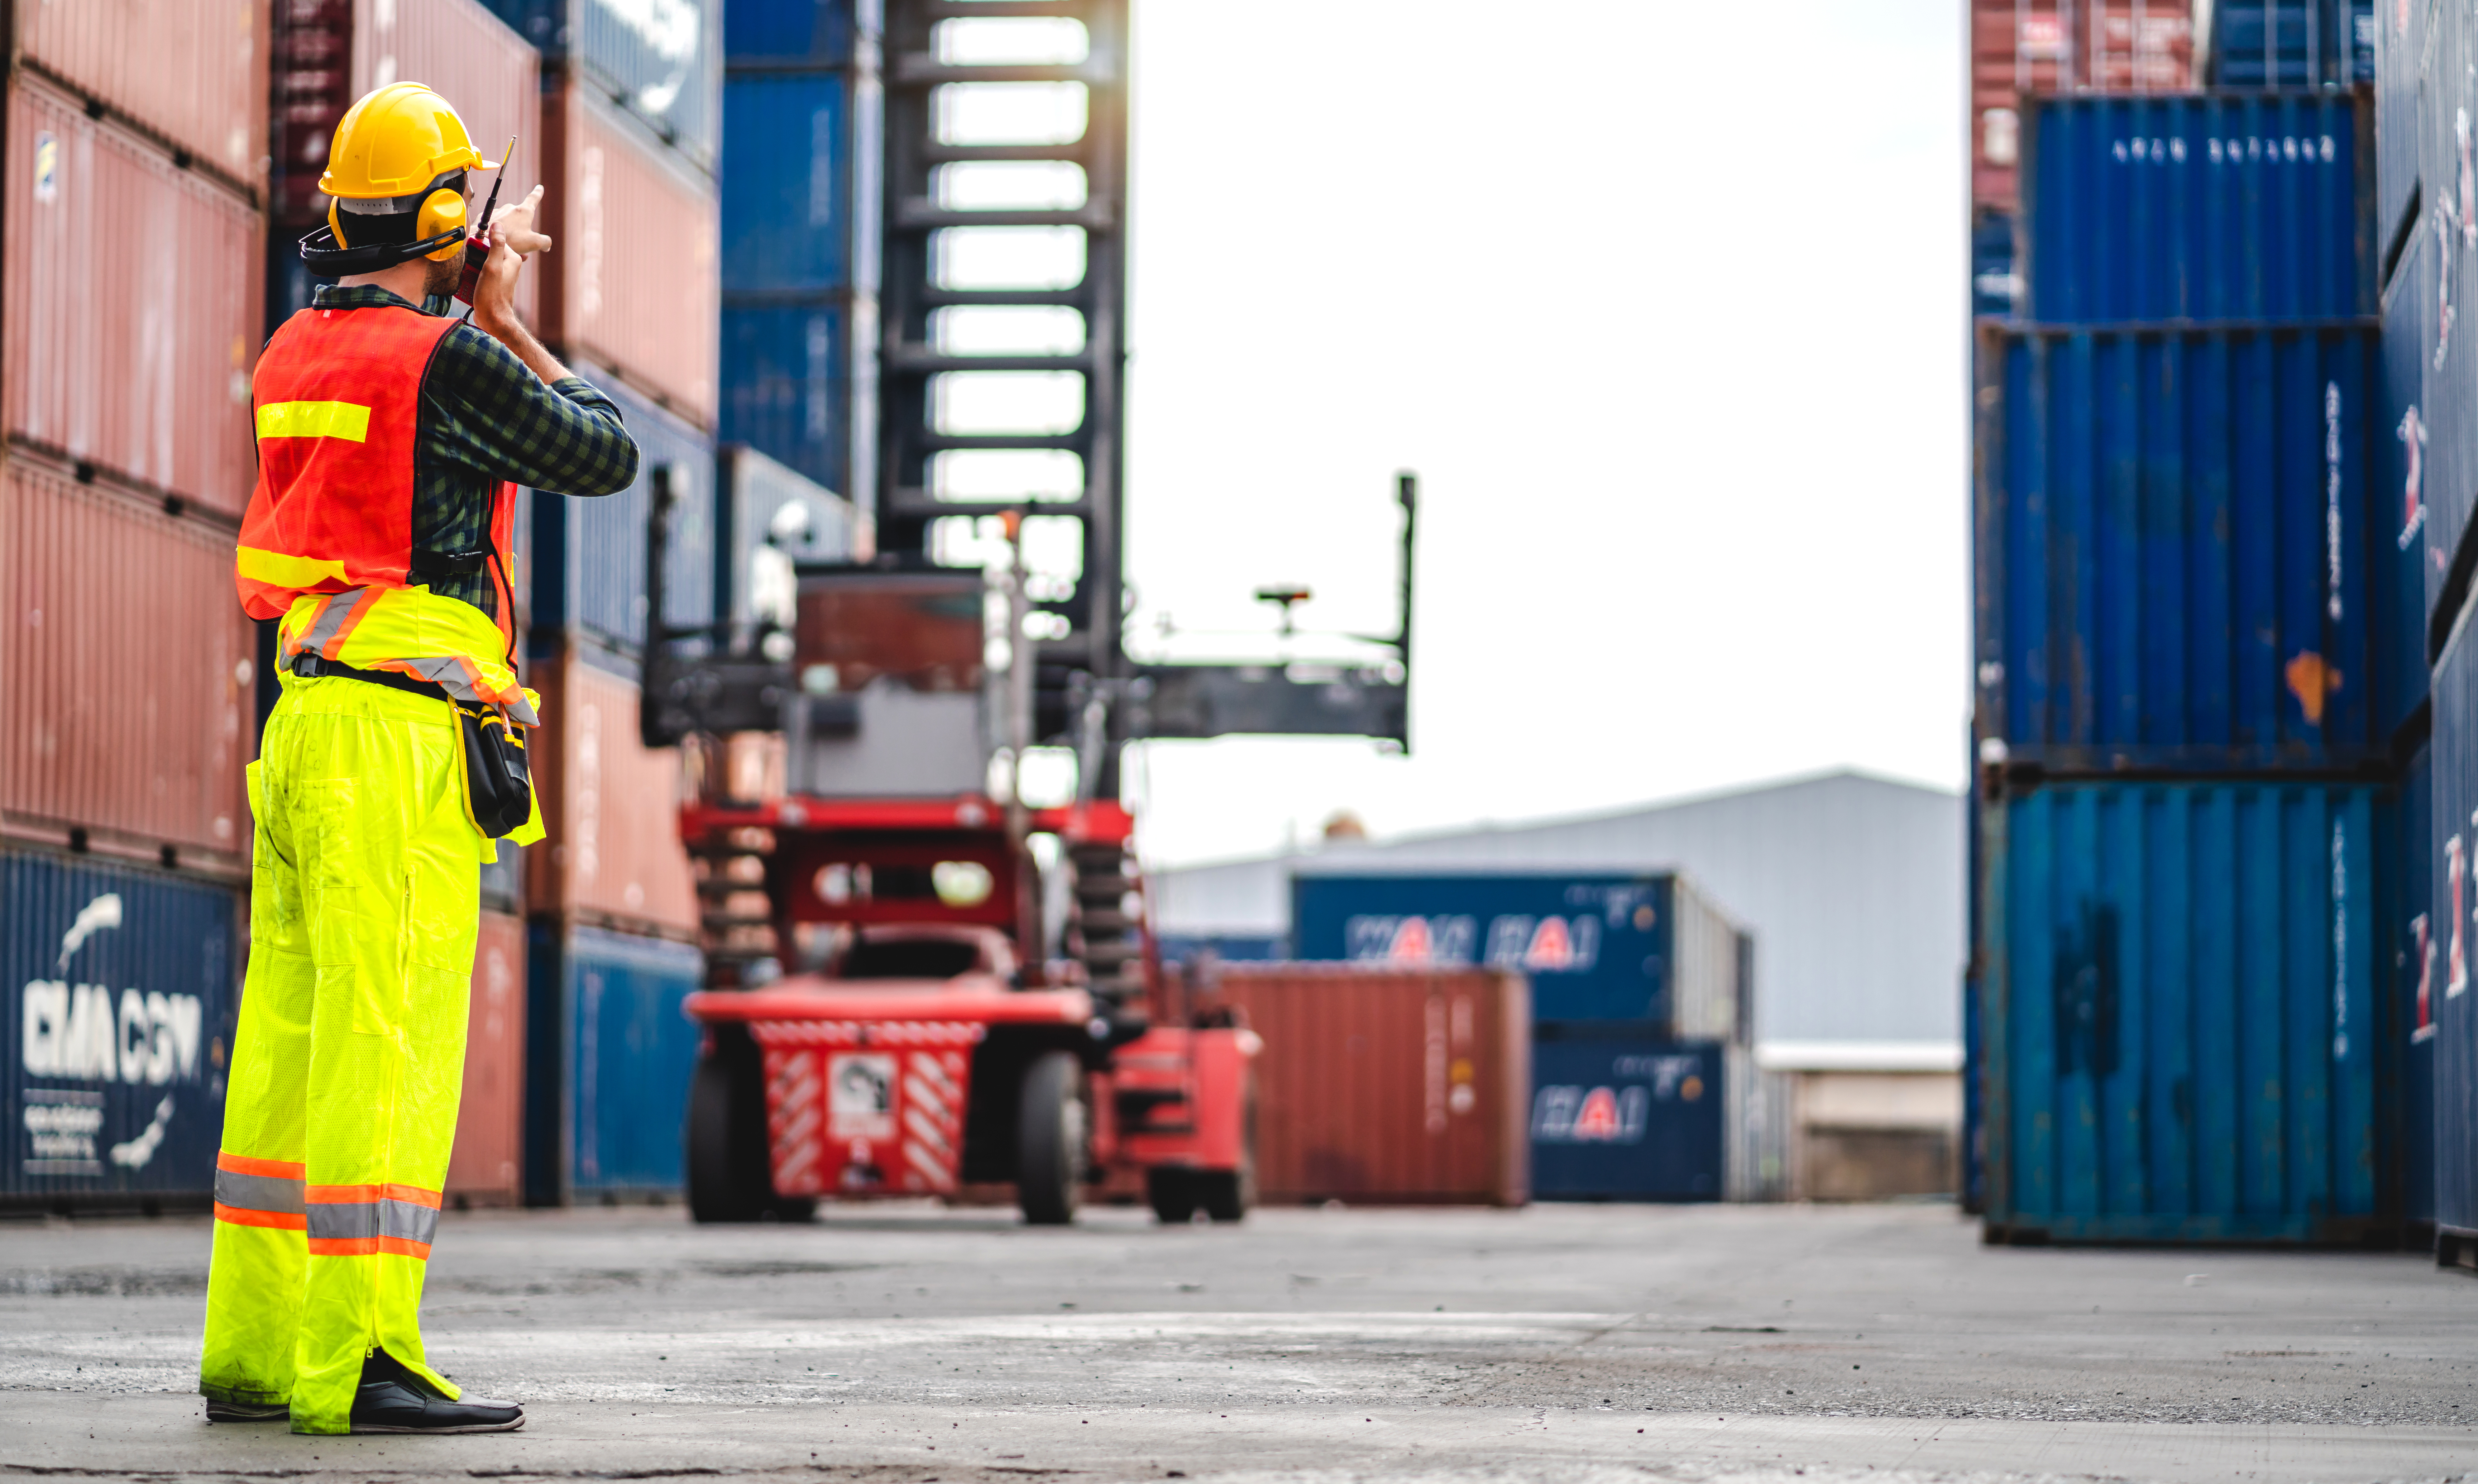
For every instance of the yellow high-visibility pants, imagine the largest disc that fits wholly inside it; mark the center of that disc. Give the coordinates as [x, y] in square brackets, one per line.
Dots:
[350, 1057]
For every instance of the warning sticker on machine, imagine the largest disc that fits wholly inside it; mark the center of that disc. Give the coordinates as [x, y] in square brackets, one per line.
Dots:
[860, 1095]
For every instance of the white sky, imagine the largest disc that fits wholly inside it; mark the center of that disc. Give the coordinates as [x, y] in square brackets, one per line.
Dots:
[1664, 303]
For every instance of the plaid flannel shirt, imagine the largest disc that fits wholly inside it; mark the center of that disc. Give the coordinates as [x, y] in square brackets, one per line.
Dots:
[483, 418]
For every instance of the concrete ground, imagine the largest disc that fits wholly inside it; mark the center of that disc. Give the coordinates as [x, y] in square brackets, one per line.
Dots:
[1561, 1343]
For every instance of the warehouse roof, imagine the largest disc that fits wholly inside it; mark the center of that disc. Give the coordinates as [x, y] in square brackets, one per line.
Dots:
[1852, 884]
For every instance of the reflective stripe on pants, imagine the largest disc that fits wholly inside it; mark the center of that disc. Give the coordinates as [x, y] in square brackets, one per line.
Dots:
[350, 1057]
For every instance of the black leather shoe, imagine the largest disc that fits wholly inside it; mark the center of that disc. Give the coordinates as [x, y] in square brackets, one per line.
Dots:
[394, 1400]
[243, 1412]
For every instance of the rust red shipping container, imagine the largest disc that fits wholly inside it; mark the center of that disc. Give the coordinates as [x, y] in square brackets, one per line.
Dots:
[192, 73]
[611, 806]
[125, 674]
[2111, 46]
[487, 1168]
[636, 281]
[132, 314]
[1387, 1085]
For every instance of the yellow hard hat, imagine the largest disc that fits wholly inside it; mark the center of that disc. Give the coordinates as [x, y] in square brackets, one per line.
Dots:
[394, 143]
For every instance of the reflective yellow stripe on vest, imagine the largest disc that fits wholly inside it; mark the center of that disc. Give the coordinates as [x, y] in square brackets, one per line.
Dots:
[286, 572]
[348, 420]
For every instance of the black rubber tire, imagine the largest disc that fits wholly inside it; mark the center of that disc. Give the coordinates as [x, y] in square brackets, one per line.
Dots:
[1172, 1194]
[1229, 1195]
[1050, 1139]
[722, 1184]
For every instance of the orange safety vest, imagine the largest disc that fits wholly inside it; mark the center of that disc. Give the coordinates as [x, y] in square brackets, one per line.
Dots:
[336, 399]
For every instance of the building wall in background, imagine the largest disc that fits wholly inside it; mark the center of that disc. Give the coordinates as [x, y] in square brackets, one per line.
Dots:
[1852, 886]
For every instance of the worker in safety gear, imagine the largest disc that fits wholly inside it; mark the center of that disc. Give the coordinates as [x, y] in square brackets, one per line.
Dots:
[390, 440]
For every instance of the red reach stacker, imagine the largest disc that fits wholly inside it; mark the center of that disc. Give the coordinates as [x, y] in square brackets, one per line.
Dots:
[928, 1048]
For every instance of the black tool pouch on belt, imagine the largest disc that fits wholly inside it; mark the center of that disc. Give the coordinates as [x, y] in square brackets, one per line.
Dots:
[498, 789]
[498, 786]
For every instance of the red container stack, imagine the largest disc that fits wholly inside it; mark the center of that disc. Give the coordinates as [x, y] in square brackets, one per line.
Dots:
[612, 857]
[130, 321]
[487, 1168]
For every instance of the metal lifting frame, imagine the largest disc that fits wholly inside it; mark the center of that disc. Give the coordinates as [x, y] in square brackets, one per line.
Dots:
[910, 361]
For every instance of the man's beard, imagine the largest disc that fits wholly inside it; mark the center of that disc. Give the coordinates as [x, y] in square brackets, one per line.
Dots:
[439, 280]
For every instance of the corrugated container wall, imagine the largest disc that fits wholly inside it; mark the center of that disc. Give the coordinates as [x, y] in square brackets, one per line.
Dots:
[114, 1051]
[800, 208]
[586, 557]
[2407, 1077]
[1387, 1085]
[633, 283]
[610, 805]
[2172, 539]
[2396, 533]
[2455, 1010]
[2209, 207]
[802, 388]
[664, 63]
[2448, 110]
[487, 1166]
[751, 492]
[2182, 1027]
[126, 673]
[2292, 43]
[820, 35]
[2050, 46]
[192, 73]
[132, 305]
[608, 1053]
[469, 57]
[2400, 40]
[1640, 957]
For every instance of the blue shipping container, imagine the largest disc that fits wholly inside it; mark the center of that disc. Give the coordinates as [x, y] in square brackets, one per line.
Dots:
[1995, 287]
[2293, 43]
[2454, 751]
[818, 33]
[2183, 207]
[1225, 947]
[1627, 1120]
[113, 1060]
[2448, 142]
[2171, 548]
[662, 62]
[793, 390]
[2181, 1029]
[2400, 38]
[2410, 1026]
[607, 1062]
[800, 193]
[2396, 530]
[1631, 954]
[587, 556]
[752, 491]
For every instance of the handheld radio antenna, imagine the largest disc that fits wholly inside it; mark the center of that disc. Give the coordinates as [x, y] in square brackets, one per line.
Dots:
[473, 265]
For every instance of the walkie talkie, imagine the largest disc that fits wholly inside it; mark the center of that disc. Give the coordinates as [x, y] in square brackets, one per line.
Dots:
[477, 246]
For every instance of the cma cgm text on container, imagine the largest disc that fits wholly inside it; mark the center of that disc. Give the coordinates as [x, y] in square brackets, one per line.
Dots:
[2173, 543]
[122, 989]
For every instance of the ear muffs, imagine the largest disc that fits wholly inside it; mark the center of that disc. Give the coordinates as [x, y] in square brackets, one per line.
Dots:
[443, 212]
[336, 224]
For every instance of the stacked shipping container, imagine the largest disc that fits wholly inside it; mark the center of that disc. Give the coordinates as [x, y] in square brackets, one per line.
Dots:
[2201, 677]
[2424, 81]
[133, 203]
[1642, 1018]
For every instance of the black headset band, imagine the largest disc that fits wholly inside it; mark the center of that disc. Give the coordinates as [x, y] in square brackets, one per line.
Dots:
[331, 262]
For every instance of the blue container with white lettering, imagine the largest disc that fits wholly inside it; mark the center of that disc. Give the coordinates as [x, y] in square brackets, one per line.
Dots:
[113, 1057]
[1627, 1120]
[1638, 957]
[2185, 207]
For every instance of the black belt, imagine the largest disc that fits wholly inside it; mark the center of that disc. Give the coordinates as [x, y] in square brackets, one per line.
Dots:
[310, 665]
